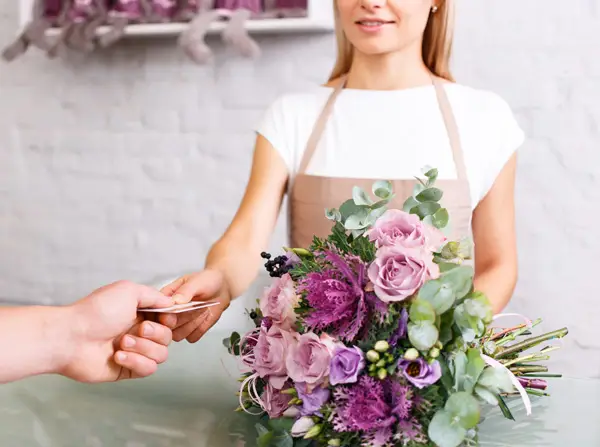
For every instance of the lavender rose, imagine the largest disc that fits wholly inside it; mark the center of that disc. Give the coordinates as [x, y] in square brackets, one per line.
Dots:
[279, 302]
[346, 365]
[397, 227]
[398, 272]
[419, 372]
[308, 360]
[312, 401]
[270, 353]
[275, 403]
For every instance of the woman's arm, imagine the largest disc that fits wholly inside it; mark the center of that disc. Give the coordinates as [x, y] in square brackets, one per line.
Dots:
[495, 240]
[237, 253]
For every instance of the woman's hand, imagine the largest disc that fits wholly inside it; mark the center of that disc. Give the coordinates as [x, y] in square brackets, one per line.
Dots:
[206, 285]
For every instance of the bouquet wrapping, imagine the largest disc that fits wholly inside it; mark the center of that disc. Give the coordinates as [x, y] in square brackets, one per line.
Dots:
[376, 336]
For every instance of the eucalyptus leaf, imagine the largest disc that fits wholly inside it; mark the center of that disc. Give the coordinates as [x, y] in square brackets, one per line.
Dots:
[496, 379]
[349, 208]
[459, 369]
[355, 222]
[283, 440]
[430, 195]
[378, 212]
[476, 308]
[446, 375]
[418, 188]
[440, 295]
[447, 266]
[475, 367]
[360, 197]
[383, 189]
[281, 424]
[425, 209]
[421, 310]
[446, 333]
[423, 335]
[460, 280]
[432, 176]
[409, 204]
[486, 395]
[265, 439]
[444, 432]
[380, 205]
[440, 218]
[333, 214]
[465, 408]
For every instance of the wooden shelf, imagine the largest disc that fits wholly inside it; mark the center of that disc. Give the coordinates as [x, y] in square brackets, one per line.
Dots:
[319, 19]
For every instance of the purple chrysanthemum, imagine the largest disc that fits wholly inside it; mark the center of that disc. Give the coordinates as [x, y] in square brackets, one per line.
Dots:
[362, 407]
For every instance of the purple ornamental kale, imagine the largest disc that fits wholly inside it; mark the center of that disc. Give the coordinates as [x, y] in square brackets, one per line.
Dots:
[400, 398]
[362, 407]
[338, 299]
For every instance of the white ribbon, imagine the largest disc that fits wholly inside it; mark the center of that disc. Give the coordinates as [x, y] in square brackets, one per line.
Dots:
[524, 396]
[526, 320]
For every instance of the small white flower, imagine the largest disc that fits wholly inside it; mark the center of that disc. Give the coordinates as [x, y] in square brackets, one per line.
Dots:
[302, 426]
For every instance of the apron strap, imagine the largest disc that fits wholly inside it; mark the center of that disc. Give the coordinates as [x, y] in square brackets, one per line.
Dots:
[451, 128]
[319, 127]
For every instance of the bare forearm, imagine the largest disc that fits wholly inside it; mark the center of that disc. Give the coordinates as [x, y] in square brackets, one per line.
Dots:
[33, 340]
[498, 283]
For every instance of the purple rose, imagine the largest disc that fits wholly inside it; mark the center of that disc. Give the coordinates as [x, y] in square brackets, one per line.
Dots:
[398, 227]
[398, 272]
[274, 401]
[419, 372]
[312, 401]
[270, 353]
[346, 365]
[308, 360]
[279, 302]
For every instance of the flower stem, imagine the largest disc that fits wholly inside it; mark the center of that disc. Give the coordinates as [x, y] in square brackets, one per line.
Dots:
[532, 357]
[506, 331]
[531, 342]
[536, 392]
[535, 375]
[528, 369]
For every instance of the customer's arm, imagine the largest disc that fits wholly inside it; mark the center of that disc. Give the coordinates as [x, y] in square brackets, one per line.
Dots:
[85, 341]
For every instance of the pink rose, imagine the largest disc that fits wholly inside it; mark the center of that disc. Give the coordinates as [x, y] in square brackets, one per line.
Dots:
[398, 272]
[397, 227]
[308, 360]
[270, 353]
[279, 302]
[275, 403]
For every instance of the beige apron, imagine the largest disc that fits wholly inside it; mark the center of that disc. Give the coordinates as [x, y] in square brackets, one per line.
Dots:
[311, 195]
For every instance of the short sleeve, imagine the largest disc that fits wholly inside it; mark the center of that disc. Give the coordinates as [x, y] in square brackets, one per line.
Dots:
[505, 136]
[275, 127]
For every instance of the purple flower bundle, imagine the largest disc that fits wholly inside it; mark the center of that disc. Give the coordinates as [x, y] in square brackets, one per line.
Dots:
[375, 336]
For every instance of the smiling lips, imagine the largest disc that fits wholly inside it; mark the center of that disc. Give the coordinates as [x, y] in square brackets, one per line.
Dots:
[373, 25]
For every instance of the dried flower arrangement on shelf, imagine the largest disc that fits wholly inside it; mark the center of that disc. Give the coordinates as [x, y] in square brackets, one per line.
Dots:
[55, 26]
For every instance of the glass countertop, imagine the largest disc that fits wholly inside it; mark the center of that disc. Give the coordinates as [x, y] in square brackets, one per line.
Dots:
[189, 402]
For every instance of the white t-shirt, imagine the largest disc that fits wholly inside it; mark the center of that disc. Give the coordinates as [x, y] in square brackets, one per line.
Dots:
[393, 135]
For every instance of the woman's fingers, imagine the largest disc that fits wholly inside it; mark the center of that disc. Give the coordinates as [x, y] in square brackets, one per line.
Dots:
[156, 352]
[136, 364]
[190, 326]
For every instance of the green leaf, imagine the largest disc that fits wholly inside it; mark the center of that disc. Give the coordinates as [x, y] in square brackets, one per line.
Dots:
[421, 310]
[383, 189]
[432, 176]
[423, 335]
[333, 214]
[409, 204]
[486, 395]
[284, 440]
[504, 408]
[430, 195]
[418, 188]
[446, 375]
[466, 323]
[425, 209]
[355, 222]
[349, 208]
[476, 308]
[444, 432]
[441, 218]
[460, 280]
[265, 436]
[459, 369]
[465, 408]
[496, 379]
[440, 295]
[281, 424]
[475, 367]
[446, 333]
[360, 197]
[447, 266]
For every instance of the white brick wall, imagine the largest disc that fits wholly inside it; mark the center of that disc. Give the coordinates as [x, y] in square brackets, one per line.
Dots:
[130, 163]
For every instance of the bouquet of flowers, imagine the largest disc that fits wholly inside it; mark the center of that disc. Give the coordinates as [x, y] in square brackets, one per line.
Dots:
[375, 335]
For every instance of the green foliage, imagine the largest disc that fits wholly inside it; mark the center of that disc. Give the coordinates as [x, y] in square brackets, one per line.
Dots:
[449, 426]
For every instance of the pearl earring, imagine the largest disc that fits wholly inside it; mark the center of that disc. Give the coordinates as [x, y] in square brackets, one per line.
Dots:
[434, 9]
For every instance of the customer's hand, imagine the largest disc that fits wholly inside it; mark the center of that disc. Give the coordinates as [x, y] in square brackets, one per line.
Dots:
[206, 285]
[109, 340]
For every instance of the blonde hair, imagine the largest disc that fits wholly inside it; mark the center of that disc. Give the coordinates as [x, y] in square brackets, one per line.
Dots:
[437, 43]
